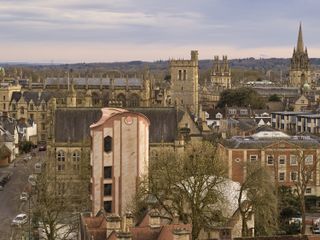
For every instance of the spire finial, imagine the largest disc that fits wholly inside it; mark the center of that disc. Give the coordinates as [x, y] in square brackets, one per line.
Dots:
[300, 40]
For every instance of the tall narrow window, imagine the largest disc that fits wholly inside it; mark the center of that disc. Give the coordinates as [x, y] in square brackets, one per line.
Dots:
[107, 206]
[61, 161]
[31, 106]
[107, 172]
[22, 110]
[180, 75]
[107, 144]
[107, 189]
[76, 160]
[184, 74]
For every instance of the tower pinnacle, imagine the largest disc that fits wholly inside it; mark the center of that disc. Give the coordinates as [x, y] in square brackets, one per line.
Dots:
[300, 40]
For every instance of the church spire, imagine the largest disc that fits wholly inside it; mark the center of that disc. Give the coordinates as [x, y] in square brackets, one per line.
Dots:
[300, 40]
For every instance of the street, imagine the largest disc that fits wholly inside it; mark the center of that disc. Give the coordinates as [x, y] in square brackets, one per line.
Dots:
[9, 198]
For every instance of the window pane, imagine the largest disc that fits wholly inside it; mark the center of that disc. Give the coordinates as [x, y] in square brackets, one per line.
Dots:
[107, 172]
[107, 190]
[108, 206]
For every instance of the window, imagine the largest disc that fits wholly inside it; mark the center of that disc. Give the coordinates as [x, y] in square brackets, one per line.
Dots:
[43, 106]
[237, 160]
[76, 160]
[13, 115]
[180, 75]
[282, 176]
[22, 110]
[293, 176]
[31, 106]
[4, 98]
[14, 107]
[61, 188]
[309, 176]
[282, 159]
[293, 160]
[308, 160]
[43, 126]
[107, 189]
[61, 161]
[4, 106]
[184, 74]
[107, 206]
[107, 172]
[43, 116]
[32, 116]
[308, 190]
[270, 160]
[253, 158]
[107, 144]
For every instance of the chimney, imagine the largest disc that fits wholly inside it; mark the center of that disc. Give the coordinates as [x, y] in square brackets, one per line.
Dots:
[113, 223]
[181, 234]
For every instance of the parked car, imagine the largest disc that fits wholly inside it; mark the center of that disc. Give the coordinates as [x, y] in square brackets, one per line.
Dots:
[32, 179]
[24, 196]
[42, 146]
[20, 219]
[316, 230]
[38, 167]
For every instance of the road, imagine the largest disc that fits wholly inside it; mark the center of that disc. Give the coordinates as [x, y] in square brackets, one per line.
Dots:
[10, 205]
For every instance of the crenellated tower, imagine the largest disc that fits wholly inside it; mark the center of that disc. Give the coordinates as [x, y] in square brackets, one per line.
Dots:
[184, 82]
[221, 73]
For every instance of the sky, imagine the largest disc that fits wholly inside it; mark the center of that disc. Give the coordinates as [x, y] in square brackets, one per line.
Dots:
[70, 31]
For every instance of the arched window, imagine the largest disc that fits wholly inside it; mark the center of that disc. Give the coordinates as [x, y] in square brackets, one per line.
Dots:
[122, 99]
[22, 110]
[95, 99]
[134, 100]
[108, 144]
[76, 160]
[14, 107]
[61, 160]
[31, 106]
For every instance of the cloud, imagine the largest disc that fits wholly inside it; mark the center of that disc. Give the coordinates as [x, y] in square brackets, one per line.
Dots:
[239, 26]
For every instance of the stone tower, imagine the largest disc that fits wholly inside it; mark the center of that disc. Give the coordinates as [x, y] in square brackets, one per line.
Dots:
[184, 82]
[221, 73]
[300, 73]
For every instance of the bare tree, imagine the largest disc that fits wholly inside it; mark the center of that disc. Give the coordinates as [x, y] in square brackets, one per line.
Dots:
[305, 174]
[187, 184]
[59, 199]
[258, 195]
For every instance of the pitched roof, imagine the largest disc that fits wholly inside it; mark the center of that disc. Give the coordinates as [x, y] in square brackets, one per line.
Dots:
[74, 123]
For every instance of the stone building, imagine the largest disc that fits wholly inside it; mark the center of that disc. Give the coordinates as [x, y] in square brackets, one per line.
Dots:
[184, 83]
[119, 158]
[300, 72]
[221, 73]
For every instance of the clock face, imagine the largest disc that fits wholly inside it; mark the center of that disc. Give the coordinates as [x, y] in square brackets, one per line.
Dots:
[128, 120]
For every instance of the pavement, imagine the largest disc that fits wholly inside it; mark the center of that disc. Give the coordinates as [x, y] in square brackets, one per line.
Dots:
[10, 204]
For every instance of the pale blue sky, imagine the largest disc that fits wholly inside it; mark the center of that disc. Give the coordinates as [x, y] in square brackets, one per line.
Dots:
[120, 30]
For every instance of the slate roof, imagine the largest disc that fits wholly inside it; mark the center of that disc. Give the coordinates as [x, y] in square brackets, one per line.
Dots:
[9, 124]
[36, 97]
[251, 143]
[94, 81]
[74, 123]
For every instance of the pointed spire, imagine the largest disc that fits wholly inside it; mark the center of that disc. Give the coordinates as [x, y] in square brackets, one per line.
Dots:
[300, 40]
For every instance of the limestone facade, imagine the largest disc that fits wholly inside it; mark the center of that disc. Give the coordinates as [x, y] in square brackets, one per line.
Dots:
[300, 72]
[184, 82]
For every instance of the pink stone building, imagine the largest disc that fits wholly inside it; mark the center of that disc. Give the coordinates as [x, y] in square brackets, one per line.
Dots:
[119, 157]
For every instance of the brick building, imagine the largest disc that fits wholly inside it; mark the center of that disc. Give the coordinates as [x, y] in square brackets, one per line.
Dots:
[278, 152]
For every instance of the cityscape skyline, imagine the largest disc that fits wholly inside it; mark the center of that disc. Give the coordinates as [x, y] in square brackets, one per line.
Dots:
[125, 30]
